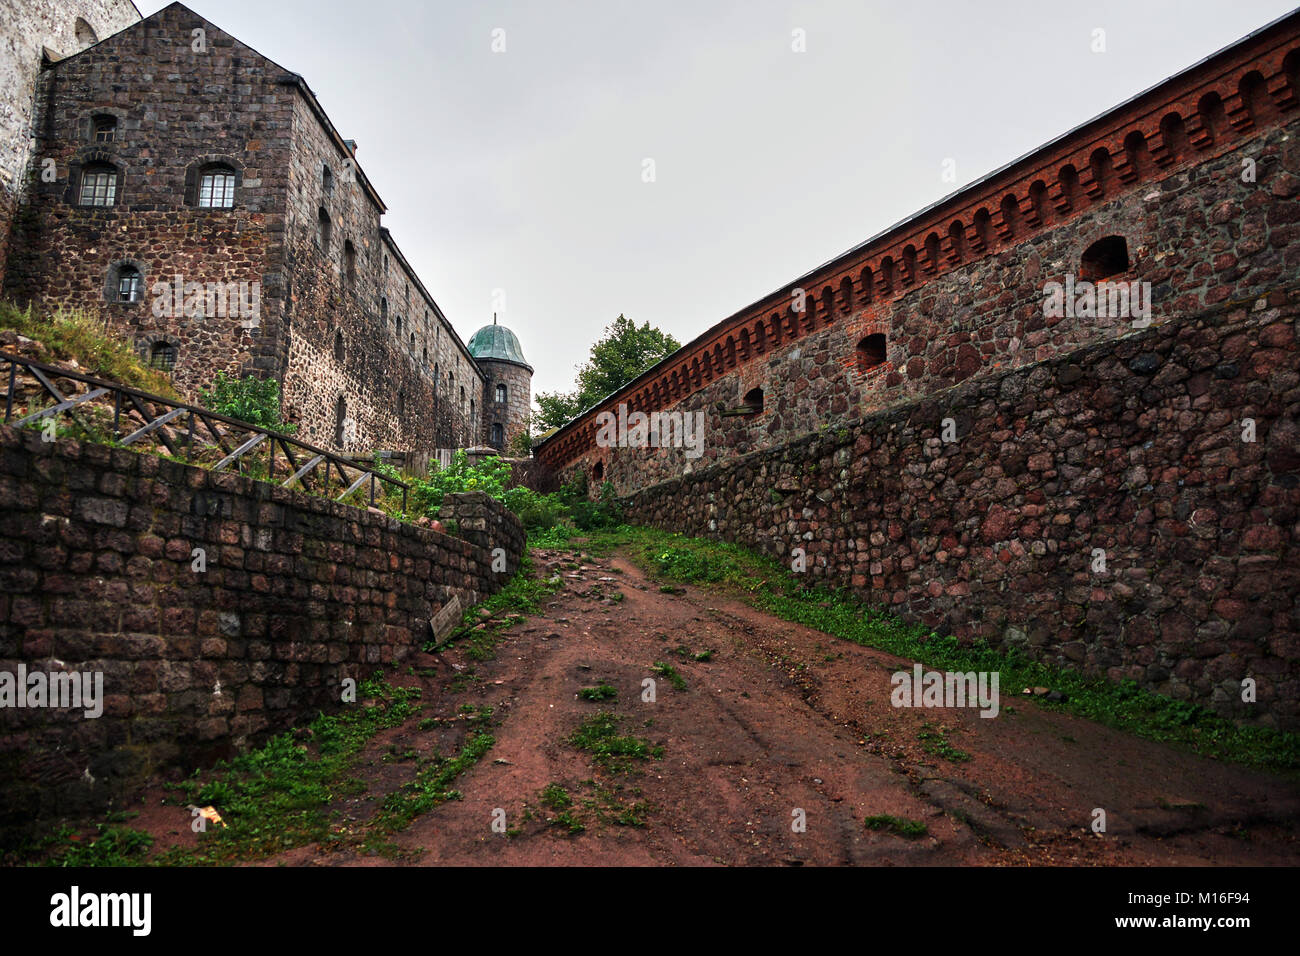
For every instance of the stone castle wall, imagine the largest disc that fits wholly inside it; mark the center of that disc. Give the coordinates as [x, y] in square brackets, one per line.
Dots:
[97, 574]
[1196, 178]
[366, 359]
[28, 28]
[1199, 237]
[1131, 449]
[166, 97]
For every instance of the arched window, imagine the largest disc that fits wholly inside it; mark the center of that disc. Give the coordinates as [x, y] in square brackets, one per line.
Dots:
[217, 187]
[1106, 257]
[871, 352]
[399, 331]
[326, 180]
[103, 128]
[98, 185]
[385, 263]
[471, 409]
[340, 416]
[498, 435]
[85, 34]
[401, 402]
[501, 392]
[350, 262]
[462, 394]
[598, 472]
[323, 228]
[162, 355]
[753, 401]
[338, 345]
[412, 343]
[130, 286]
[383, 309]
[426, 355]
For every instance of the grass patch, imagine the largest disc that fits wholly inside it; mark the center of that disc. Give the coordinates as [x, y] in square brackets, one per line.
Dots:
[670, 674]
[272, 799]
[899, 826]
[935, 741]
[599, 692]
[769, 586]
[523, 594]
[598, 735]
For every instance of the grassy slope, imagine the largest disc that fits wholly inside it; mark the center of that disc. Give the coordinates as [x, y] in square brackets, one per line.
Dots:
[99, 352]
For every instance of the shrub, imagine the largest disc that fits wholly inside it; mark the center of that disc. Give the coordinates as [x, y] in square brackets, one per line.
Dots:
[249, 399]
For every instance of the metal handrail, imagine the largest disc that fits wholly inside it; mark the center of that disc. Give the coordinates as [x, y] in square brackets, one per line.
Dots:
[122, 393]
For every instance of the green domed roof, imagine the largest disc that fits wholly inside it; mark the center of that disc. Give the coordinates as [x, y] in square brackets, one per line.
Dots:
[496, 342]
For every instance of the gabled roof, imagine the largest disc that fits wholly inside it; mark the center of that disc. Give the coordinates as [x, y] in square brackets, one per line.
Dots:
[287, 78]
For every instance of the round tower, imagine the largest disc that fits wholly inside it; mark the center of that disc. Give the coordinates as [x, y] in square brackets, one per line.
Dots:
[507, 386]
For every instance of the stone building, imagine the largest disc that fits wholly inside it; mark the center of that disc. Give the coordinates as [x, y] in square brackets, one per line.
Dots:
[507, 386]
[1187, 189]
[195, 195]
[34, 33]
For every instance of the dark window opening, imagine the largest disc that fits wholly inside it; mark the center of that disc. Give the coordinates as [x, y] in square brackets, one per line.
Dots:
[401, 403]
[598, 472]
[498, 435]
[753, 404]
[871, 352]
[326, 180]
[340, 415]
[338, 346]
[1106, 257]
[323, 227]
[350, 262]
[105, 129]
[162, 355]
[129, 284]
[85, 33]
[501, 393]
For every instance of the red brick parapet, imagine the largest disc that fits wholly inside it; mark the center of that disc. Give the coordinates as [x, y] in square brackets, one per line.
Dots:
[1202, 112]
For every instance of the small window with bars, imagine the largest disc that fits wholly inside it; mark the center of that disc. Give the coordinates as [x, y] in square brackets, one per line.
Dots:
[162, 355]
[98, 186]
[105, 129]
[129, 285]
[217, 188]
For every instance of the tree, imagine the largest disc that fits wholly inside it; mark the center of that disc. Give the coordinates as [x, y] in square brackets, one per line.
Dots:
[619, 356]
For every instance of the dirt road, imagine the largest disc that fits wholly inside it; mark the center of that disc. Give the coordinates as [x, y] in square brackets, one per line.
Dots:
[779, 747]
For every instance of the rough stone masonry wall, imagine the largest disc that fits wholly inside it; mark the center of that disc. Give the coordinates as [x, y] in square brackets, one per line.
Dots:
[27, 29]
[299, 592]
[167, 99]
[1133, 446]
[398, 366]
[1200, 235]
[515, 413]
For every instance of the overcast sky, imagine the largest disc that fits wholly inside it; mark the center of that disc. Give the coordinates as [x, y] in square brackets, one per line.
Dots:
[524, 170]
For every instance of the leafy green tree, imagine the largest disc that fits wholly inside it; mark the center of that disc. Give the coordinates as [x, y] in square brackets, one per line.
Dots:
[623, 353]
